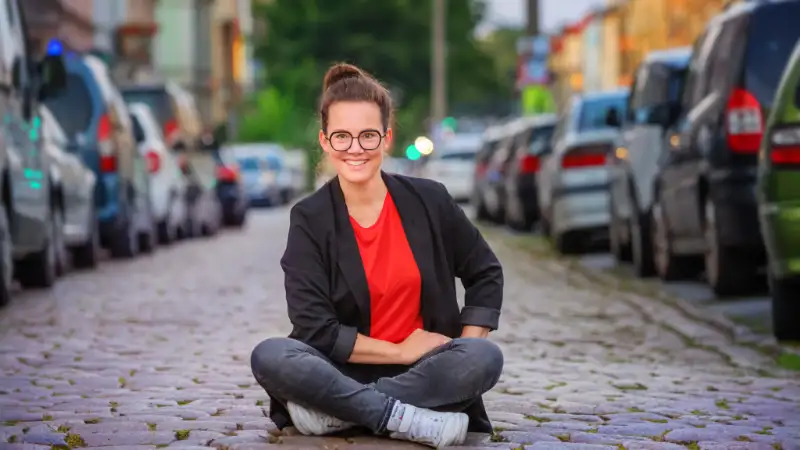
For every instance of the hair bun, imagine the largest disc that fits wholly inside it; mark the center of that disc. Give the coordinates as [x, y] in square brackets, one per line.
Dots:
[339, 72]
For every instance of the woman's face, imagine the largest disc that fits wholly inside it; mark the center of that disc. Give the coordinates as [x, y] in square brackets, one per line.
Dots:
[356, 142]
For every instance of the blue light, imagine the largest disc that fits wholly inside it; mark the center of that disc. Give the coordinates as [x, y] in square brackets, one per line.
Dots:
[55, 48]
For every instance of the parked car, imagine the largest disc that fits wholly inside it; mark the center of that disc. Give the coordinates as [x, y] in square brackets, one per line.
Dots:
[531, 144]
[77, 185]
[573, 181]
[779, 201]
[167, 183]
[175, 111]
[485, 196]
[31, 213]
[261, 169]
[204, 209]
[453, 164]
[230, 191]
[705, 203]
[96, 120]
[652, 108]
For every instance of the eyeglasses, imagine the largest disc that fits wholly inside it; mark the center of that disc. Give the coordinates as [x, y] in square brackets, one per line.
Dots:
[341, 141]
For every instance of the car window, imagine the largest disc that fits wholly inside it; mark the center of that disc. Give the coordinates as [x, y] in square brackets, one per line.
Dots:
[771, 38]
[138, 131]
[72, 106]
[593, 112]
[157, 99]
[539, 140]
[458, 156]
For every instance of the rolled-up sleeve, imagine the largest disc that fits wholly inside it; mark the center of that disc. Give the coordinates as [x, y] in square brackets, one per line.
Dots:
[476, 265]
[307, 293]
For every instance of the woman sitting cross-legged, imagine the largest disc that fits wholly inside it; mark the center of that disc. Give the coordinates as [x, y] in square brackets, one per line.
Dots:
[379, 340]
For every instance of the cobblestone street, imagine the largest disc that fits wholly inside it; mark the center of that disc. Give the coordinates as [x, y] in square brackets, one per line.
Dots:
[155, 352]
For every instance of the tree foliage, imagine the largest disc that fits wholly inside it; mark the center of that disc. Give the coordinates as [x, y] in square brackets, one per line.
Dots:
[389, 38]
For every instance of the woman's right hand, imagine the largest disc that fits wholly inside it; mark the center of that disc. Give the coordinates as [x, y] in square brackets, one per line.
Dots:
[418, 343]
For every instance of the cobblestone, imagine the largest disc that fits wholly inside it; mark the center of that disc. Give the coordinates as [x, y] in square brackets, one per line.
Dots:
[154, 352]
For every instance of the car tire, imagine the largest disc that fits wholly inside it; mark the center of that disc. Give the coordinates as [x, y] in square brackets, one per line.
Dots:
[39, 270]
[621, 252]
[785, 309]
[729, 272]
[125, 242]
[87, 254]
[668, 265]
[6, 258]
[642, 247]
[569, 243]
[148, 239]
[166, 232]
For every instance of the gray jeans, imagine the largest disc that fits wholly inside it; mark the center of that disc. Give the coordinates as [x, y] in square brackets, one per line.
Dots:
[449, 378]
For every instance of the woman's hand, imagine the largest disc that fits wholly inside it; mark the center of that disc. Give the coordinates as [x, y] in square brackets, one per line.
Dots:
[419, 343]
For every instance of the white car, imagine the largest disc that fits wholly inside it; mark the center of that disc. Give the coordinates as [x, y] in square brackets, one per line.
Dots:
[453, 164]
[167, 184]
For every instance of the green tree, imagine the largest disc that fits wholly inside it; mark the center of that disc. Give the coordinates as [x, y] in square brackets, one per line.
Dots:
[388, 38]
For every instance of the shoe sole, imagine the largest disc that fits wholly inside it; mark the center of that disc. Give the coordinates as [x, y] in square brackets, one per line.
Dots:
[302, 416]
[454, 431]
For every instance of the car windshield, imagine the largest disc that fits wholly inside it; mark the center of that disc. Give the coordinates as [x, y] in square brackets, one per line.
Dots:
[156, 99]
[539, 141]
[771, 39]
[593, 112]
[72, 106]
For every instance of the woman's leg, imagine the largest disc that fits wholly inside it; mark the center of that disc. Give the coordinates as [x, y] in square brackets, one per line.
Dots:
[293, 371]
[450, 377]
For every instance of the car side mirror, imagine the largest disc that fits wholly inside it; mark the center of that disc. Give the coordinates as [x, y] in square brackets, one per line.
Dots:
[53, 76]
[612, 118]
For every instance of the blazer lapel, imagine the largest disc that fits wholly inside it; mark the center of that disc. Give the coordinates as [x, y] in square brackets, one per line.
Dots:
[416, 225]
[349, 257]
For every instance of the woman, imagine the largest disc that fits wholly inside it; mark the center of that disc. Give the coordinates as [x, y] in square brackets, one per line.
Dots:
[370, 267]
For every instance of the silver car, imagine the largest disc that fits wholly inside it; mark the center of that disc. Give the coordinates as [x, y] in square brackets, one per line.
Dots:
[573, 182]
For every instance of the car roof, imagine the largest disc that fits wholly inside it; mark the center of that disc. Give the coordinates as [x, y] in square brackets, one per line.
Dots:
[514, 126]
[744, 7]
[678, 56]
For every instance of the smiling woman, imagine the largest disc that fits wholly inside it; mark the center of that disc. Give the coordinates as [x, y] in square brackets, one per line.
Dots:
[369, 268]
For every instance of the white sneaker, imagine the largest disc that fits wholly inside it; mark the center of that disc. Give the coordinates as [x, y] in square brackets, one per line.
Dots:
[315, 423]
[435, 429]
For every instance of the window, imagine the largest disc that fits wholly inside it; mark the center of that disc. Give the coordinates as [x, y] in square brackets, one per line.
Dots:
[540, 139]
[157, 99]
[593, 111]
[72, 106]
[458, 156]
[772, 36]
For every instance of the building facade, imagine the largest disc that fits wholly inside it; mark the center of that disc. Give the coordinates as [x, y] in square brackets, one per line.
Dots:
[592, 46]
[69, 21]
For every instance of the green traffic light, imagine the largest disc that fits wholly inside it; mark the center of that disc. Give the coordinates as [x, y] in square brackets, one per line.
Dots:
[412, 153]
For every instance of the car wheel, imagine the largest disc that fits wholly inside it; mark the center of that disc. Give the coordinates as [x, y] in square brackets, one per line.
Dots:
[6, 258]
[125, 242]
[40, 270]
[728, 271]
[642, 247]
[669, 266]
[621, 252]
[785, 309]
[86, 255]
[166, 232]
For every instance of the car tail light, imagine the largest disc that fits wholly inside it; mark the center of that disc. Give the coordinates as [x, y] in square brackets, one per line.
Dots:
[785, 146]
[108, 161]
[227, 174]
[171, 130]
[744, 122]
[529, 164]
[153, 161]
[585, 157]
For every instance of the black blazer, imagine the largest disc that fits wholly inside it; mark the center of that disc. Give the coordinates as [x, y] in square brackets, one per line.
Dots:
[326, 287]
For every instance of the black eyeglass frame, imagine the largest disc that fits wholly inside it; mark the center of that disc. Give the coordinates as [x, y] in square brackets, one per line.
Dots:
[353, 138]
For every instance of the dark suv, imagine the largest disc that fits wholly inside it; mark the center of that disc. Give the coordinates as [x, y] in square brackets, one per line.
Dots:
[705, 194]
[99, 128]
[31, 233]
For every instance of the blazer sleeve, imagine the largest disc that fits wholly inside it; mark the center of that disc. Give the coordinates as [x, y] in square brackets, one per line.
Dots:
[476, 265]
[307, 284]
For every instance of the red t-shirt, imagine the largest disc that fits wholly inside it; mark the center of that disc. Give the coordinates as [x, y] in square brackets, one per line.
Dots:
[392, 275]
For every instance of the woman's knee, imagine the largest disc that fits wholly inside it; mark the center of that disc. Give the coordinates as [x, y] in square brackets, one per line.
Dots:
[269, 356]
[486, 359]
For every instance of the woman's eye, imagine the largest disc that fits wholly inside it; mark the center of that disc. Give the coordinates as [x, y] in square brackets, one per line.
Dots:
[370, 135]
[340, 136]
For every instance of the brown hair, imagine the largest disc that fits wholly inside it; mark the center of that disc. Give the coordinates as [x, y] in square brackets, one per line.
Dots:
[347, 83]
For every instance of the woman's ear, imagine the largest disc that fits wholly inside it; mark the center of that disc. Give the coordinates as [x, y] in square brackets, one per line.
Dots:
[388, 140]
[323, 141]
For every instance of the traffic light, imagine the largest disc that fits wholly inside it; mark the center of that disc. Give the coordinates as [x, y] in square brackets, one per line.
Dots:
[412, 153]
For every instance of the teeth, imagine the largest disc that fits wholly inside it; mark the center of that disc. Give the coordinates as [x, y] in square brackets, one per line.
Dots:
[355, 163]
